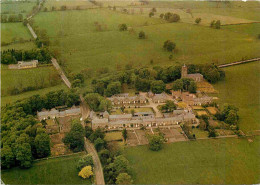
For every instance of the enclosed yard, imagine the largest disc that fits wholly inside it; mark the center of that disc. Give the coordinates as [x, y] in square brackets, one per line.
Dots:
[212, 110]
[198, 162]
[113, 136]
[52, 171]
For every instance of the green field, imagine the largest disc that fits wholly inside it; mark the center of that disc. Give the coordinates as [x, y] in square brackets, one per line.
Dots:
[82, 46]
[9, 31]
[214, 161]
[72, 4]
[52, 171]
[17, 7]
[241, 88]
[25, 77]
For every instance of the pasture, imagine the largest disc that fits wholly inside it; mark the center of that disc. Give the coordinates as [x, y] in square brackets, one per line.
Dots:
[12, 7]
[213, 161]
[69, 4]
[24, 78]
[241, 88]
[52, 171]
[83, 44]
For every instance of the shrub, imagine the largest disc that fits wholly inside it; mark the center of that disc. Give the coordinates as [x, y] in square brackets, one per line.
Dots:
[86, 160]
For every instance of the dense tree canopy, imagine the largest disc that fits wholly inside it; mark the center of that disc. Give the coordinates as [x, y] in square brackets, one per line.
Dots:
[97, 103]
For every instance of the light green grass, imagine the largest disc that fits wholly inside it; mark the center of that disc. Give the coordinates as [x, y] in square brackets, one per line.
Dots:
[113, 136]
[142, 109]
[17, 7]
[52, 171]
[21, 78]
[199, 133]
[241, 88]
[221, 161]
[72, 4]
[82, 46]
[14, 30]
[10, 99]
[20, 46]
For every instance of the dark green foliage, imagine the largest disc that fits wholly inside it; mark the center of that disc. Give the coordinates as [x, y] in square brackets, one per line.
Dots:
[97, 103]
[215, 24]
[98, 133]
[212, 132]
[88, 131]
[85, 160]
[124, 178]
[42, 145]
[198, 20]
[124, 134]
[155, 142]
[122, 27]
[113, 88]
[151, 14]
[229, 114]
[11, 18]
[142, 85]
[186, 84]
[13, 56]
[169, 106]
[158, 86]
[75, 138]
[171, 17]
[7, 157]
[141, 35]
[24, 155]
[169, 45]
[99, 144]
[104, 155]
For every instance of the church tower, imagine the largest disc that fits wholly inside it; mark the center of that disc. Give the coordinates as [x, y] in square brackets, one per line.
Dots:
[184, 71]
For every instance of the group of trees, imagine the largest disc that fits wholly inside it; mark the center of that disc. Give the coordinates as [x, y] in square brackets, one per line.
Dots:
[11, 18]
[170, 17]
[215, 24]
[122, 27]
[198, 20]
[97, 102]
[169, 106]
[12, 56]
[78, 80]
[169, 45]
[85, 166]
[185, 84]
[156, 142]
[229, 115]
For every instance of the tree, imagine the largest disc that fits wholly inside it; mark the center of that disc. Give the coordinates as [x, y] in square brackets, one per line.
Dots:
[197, 20]
[155, 142]
[168, 107]
[161, 15]
[151, 14]
[124, 178]
[212, 132]
[97, 102]
[86, 160]
[192, 87]
[141, 35]
[142, 84]
[45, 9]
[75, 138]
[177, 85]
[113, 88]
[63, 8]
[42, 144]
[120, 165]
[124, 134]
[98, 133]
[212, 23]
[154, 10]
[158, 86]
[169, 45]
[88, 131]
[24, 155]
[7, 157]
[122, 27]
[174, 18]
[104, 156]
[232, 117]
[99, 144]
[217, 24]
[86, 172]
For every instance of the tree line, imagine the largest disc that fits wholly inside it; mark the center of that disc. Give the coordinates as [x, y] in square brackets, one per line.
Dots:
[12, 56]
[11, 18]
[23, 137]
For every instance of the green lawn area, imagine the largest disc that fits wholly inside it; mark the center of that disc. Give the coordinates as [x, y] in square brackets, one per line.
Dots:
[113, 136]
[241, 88]
[214, 161]
[9, 31]
[81, 46]
[26, 77]
[72, 4]
[52, 171]
[200, 133]
[141, 109]
[12, 7]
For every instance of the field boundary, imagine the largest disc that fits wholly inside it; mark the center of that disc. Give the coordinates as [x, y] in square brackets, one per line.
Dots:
[255, 22]
[239, 62]
[46, 158]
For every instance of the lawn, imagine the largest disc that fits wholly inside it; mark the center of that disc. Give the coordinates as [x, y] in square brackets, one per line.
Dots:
[200, 133]
[113, 136]
[214, 161]
[241, 88]
[82, 46]
[142, 109]
[9, 31]
[52, 171]
[12, 7]
[72, 4]
[26, 77]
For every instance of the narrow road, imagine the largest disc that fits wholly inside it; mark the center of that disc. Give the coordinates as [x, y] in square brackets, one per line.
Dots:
[239, 62]
[60, 71]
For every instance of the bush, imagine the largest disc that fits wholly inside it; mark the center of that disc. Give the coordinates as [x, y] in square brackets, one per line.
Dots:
[155, 143]
[99, 144]
[86, 160]
[122, 27]
[169, 45]
[141, 35]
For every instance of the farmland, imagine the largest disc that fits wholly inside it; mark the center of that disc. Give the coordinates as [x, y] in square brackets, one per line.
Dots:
[241, 89]
[83, 46]
[52, 171]
[17, 7]
[201, 162]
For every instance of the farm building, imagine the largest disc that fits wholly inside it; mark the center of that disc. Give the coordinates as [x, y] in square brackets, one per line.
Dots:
[24, 65]
[54, 113]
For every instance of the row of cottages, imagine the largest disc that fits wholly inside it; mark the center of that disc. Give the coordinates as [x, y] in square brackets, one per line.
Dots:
[54, 113]
[148, 122]
[126, 100]
[159, 98]
[24, 65]
[191, 99]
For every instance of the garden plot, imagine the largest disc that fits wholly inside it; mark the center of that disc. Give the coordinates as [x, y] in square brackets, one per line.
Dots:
[212, 110]
[131, 138]
[58, 147]
[65, 123]
[177, 135]
[142, 137]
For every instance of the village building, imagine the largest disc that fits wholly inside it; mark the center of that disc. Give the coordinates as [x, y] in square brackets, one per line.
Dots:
[24, 65]
[196, 76]
[54, 113]
[159, 98]
[126, 100]
[191, 99]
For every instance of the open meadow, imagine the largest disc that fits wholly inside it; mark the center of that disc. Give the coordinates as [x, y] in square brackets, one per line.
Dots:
[91, 38]
[16, 7]
[52, 171]
[241, 88]
[214, 161]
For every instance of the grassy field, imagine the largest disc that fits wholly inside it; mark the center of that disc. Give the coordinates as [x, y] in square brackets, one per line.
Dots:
[73, 4]
[241, 88]
[9, 31]
[222, 161]
[17, 7]
[24, 78]
[82, 46]
[53, 171]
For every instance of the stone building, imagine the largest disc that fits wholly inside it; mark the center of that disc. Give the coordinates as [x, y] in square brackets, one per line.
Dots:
[126, 100]
[159, 98]
[196, 76]
[24, 65]
[54, 113]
